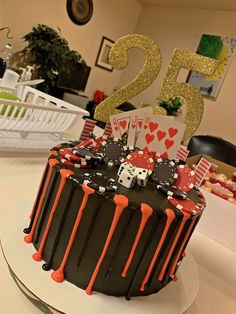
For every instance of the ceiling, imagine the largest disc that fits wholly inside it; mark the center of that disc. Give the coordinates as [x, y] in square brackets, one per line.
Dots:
[225, 5]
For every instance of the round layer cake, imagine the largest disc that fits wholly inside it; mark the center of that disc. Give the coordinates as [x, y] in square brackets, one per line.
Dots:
[100, 235]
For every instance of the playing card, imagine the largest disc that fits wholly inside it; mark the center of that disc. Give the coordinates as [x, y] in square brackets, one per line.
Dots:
[127, 125]
[162, 135]
[120, 124]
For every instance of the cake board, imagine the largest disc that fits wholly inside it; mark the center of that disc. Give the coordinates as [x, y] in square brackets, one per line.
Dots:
[51, 297]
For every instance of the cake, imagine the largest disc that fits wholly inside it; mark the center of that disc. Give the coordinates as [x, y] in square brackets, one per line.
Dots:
[99, 234]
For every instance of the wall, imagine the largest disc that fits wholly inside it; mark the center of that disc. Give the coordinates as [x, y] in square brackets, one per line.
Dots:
[182, 28]
[111, 19]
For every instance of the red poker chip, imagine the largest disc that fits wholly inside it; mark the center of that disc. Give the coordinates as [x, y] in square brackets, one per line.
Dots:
[97, 143]
[66, 153]
[185, 205]
[153, 155]
[72, 164]
[85, 143]
[186, 178]
[141, 159]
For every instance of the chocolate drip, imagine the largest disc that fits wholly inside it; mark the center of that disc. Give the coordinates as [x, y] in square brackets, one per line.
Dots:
[118, 247]
[146, 211]
[29, 237]
[170, 217]
[121, 203]
[34, 210]
[145, 249]
[89, 232]
[45, 207]
[162, 272]
[64, 175]
[58, 274]
[47, 266]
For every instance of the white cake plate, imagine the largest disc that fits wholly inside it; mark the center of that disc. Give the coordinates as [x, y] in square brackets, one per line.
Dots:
[51, 297]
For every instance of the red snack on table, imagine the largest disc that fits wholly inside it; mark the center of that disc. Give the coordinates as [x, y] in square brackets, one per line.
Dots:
[220, 191]
[232, 187]
[219, 178]
[213, 168]
[234, 177]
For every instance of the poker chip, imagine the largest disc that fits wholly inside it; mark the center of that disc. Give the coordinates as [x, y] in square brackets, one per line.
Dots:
[186, 178]
[66, 153]
[60, 146]
[153, 155]
[85, 143]
[185, 205]
[141, 159]
[73, 164]
[172, 191]
[86, 154]
[113, 151]
[96, 146]
[73, 143]
[165, 171]
[99, 182]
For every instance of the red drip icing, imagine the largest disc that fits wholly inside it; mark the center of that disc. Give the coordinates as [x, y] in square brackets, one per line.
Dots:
[121, 203]
[29, 237]
[40, 185]
[146, 213]
[170, 217]
[64, 174]
[181, 248]
[175, 278]
[58, 274]
[184, 254]
[53, 152]
[162, 272]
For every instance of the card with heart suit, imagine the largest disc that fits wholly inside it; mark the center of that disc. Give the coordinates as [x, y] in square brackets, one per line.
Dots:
[128, 124]
[162, 135]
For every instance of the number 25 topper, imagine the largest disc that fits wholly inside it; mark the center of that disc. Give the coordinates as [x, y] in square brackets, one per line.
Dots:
[118, 58]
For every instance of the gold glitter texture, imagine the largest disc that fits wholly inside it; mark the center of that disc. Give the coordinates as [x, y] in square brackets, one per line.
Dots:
[171, 88]
[119, 59]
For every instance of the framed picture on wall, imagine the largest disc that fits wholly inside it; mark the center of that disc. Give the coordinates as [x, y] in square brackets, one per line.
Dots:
[221, 48]
[102, 60]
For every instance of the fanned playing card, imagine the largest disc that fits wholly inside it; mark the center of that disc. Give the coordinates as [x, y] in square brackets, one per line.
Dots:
[162, 135]
[127, 125]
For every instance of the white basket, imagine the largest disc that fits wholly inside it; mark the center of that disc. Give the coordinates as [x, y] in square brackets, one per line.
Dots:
[37, 113]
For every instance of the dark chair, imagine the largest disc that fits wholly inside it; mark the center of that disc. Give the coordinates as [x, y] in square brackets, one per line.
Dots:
[214, 147]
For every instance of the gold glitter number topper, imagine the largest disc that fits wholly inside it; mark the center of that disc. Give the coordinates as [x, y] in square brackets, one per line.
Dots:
[118, 58]
[171, 88]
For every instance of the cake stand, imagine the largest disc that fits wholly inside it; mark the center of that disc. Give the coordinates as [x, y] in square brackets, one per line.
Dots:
[51, 297]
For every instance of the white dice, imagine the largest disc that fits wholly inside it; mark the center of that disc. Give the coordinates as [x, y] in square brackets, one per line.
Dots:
[142, 176]
[125, 166]
[127, 178]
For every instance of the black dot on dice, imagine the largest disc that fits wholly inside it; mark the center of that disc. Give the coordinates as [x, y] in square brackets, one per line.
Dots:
[128, 178]
[120, 181]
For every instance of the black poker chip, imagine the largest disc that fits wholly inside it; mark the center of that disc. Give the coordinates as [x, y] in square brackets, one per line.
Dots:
[172, 191]
[165, 171]
[100, 183]
[113, 151]
[86, 154]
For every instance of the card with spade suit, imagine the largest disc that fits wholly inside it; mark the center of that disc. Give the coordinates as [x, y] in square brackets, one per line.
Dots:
[162, 135]
[128, 124]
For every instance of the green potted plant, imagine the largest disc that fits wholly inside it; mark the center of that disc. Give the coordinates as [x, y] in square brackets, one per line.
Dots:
[48, 51]
[172, 106]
